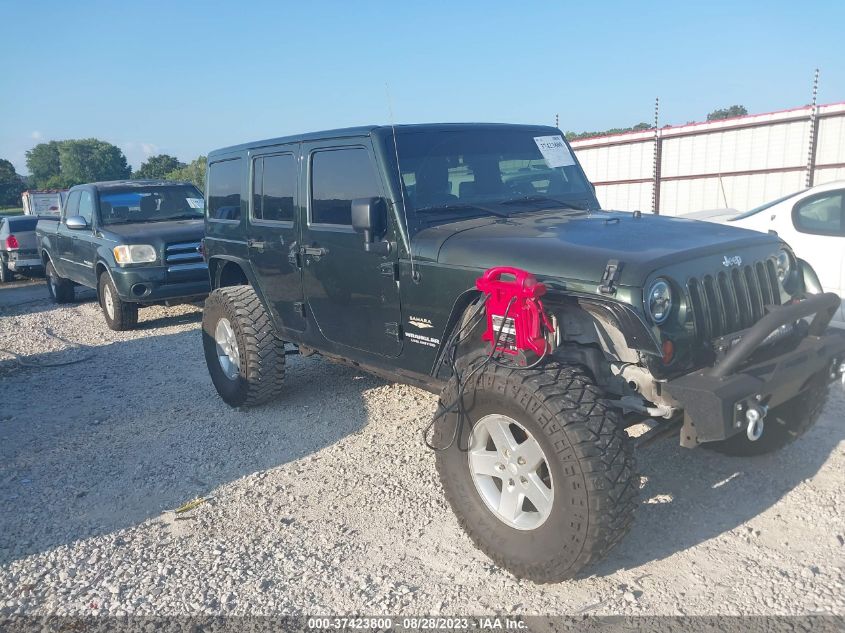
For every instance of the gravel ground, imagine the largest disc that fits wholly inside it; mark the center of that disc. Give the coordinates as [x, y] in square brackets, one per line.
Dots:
[326, 502]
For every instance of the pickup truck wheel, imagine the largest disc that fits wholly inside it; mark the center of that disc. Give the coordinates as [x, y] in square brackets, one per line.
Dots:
[6, 275]
[545, 482]
[59, 288]
[245, 358]
[120, 315]
[782, 425]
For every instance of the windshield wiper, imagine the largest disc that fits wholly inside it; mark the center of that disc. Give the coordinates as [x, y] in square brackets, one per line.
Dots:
[522, 199]
[459, 206]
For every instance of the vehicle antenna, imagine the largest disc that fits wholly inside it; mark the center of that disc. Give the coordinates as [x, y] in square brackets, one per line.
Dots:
[415, 276]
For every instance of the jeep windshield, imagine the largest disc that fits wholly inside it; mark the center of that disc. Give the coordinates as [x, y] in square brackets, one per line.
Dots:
[155, 203]
[453, 174]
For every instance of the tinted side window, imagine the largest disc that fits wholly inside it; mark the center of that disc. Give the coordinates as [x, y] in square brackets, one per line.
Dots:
[224, 190]
[86, 205]
[337, 178]
[72, 206]
[274, 188]
[821, 214]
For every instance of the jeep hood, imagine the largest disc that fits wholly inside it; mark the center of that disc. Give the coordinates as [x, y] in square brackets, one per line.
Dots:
[578, 245]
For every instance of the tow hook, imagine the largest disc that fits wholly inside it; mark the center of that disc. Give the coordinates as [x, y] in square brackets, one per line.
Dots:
[755, 415]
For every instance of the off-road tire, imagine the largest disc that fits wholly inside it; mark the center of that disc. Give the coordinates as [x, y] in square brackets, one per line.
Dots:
[783, 424]
[60, 289]
[125, 315]
[262, 353]
[6, 275]
[589, 456]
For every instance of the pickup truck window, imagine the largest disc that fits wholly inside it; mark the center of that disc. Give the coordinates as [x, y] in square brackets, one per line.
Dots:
[224, 190]
[156, 203]
[86, 205]
[72, 206]
[455, 170]
[274, 188]
[337, 178]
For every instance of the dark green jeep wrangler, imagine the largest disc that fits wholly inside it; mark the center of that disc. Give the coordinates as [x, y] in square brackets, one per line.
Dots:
[365, 245]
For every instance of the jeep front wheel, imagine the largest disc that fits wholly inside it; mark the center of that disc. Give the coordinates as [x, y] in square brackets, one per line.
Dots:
[245, 359]
[542, 475]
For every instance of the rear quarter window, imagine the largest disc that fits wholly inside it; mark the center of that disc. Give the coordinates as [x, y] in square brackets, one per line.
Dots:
[224, 190]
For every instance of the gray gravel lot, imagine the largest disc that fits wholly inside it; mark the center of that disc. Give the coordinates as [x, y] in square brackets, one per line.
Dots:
[327, 502]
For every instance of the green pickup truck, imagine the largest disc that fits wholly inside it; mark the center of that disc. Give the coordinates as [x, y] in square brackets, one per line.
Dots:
[137, 242]
[474, 260]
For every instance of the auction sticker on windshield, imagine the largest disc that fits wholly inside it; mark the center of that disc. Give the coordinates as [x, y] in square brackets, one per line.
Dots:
[554, 150]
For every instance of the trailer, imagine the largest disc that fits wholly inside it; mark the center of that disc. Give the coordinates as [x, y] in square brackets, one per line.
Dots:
[43, 201]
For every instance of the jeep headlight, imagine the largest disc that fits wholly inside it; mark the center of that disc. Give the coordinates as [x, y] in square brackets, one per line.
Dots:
[134, 254]
[659, 301]
[783, 265]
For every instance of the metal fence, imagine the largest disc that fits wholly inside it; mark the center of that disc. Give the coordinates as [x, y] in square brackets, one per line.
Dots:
[738, 163]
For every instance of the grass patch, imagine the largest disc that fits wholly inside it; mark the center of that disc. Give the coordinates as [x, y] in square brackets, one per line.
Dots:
[11, 211]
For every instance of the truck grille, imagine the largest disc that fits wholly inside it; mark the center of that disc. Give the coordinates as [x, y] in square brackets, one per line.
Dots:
[732, 300]
[183, 256]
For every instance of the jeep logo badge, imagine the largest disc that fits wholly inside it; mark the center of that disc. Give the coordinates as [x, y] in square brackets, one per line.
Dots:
[736, 260]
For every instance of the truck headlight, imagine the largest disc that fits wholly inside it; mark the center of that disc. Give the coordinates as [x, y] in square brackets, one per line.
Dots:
[783, 265]
[134, 254]
[659, 301]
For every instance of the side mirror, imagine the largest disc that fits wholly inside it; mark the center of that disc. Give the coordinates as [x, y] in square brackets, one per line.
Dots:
[369, 217]
[76, 223]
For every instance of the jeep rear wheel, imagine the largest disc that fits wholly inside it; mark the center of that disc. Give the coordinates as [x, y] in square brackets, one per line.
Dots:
[545, 484]
[245, 358]
[59, 288]
[782, 425]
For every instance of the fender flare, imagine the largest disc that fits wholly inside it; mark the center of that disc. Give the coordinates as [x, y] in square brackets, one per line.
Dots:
[811, 279]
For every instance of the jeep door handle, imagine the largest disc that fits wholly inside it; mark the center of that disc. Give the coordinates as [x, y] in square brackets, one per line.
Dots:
[256, 244]
[316, 251]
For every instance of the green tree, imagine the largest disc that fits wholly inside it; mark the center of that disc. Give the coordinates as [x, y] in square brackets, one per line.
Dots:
[193, 172]
[92, 160]
[43, 163]
[11, 185]
[574, 136]
[156, 167]
[727, 113]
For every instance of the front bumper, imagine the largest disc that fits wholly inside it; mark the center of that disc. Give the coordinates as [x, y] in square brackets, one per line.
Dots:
[715, 399]
[155, 284]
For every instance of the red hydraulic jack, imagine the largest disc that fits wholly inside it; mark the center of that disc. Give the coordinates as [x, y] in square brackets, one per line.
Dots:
[514, 311]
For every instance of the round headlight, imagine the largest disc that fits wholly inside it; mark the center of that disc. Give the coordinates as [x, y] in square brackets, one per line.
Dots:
[659, 301]
[783, 265]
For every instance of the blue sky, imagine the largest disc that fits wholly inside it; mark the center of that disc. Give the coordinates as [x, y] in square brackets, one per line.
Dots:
[186, 77]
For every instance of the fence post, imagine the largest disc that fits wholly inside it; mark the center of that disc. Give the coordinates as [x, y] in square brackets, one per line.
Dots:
[658, 156]
[814, 134]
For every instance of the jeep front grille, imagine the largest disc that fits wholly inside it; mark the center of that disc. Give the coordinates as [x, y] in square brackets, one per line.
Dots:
[734, 299]
[183, 256]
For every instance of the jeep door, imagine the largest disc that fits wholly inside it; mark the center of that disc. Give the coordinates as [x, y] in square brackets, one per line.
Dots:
[273, 232]
[351, 293]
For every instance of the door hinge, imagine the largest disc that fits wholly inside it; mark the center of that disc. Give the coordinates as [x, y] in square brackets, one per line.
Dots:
[393, 330]
[299, 308]
[610, 277]
[390, 269]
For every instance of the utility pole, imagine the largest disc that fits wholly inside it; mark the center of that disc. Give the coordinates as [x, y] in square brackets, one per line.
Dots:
[655, 193]
[814, 133]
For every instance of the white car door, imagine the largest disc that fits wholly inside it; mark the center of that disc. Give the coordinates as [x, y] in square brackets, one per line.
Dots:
[815, 228]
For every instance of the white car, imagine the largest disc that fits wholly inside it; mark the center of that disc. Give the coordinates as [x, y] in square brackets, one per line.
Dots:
[812, 222]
